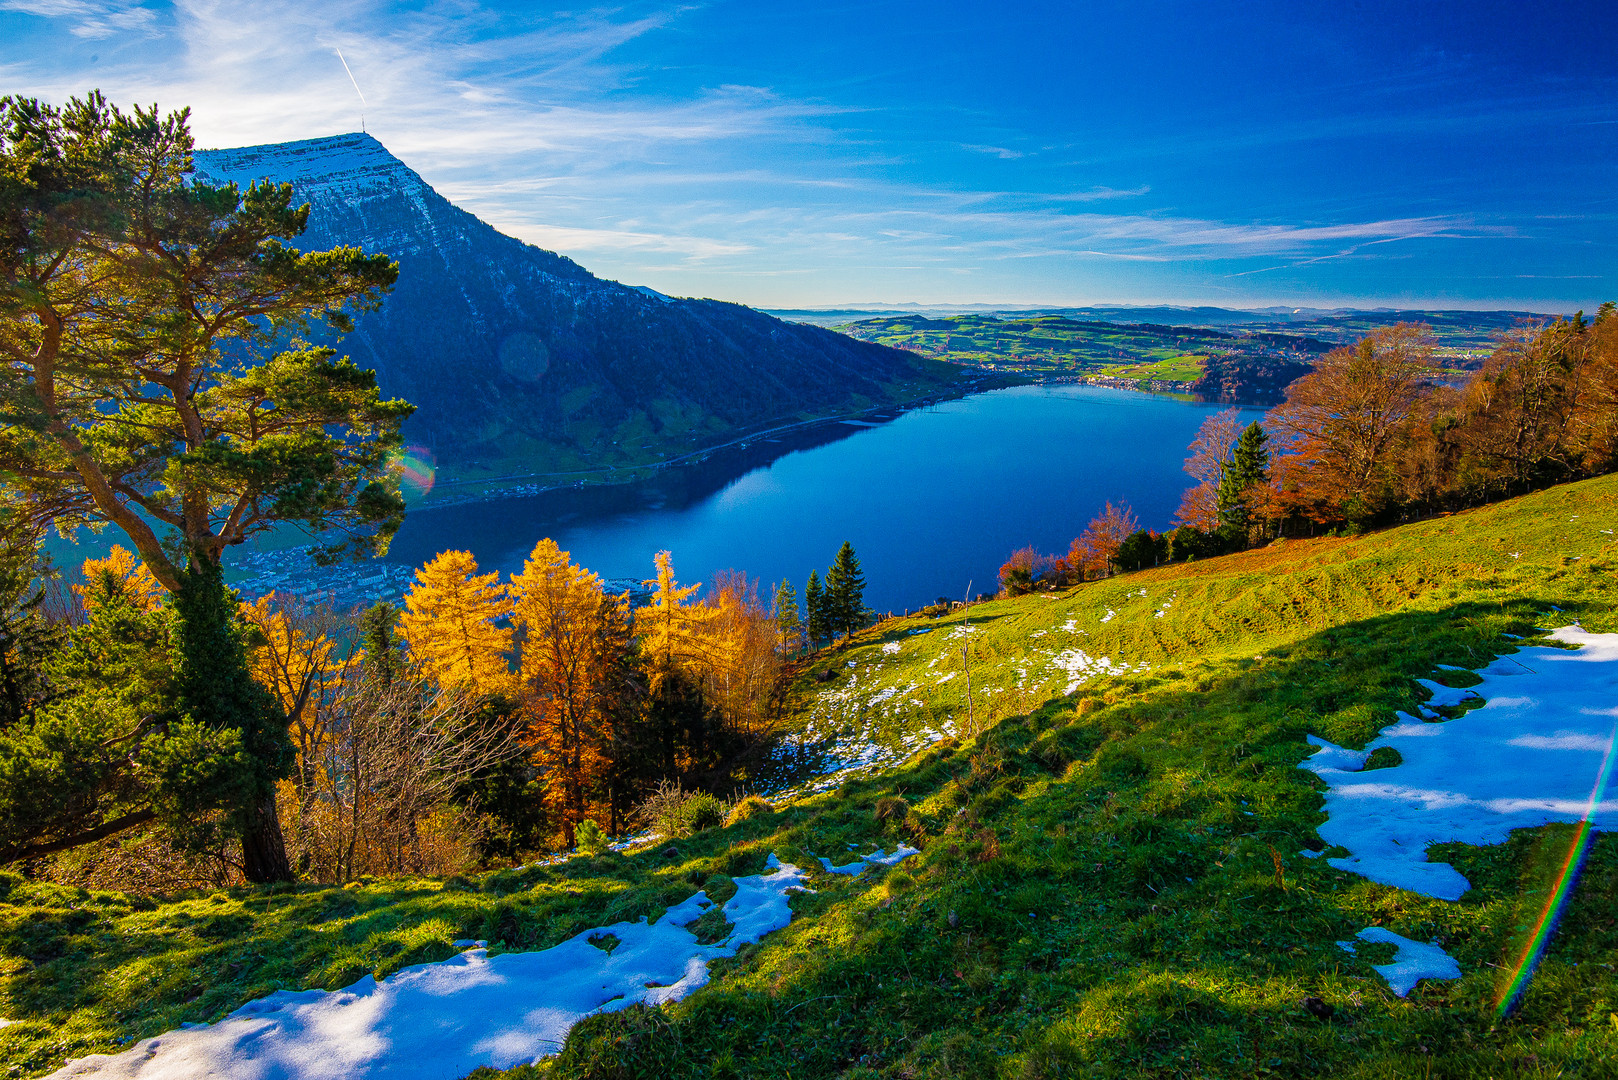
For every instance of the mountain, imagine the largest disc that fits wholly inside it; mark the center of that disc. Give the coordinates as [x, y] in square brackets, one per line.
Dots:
[520, 358]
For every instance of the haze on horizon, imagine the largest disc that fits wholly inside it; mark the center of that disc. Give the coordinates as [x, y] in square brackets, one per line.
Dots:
[1375, 154]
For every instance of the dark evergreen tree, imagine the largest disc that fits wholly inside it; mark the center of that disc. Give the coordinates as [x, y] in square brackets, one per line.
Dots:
[845, 592]
[816, 621]
[788, 622]
[1249, 466]
[384, 650]
[216, 689]
[27, 638]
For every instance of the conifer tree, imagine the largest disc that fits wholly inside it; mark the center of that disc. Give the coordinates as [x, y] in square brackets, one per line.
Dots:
[845, 592]
[137, 306]
[1249, 466]
[816, 622]
[574, 670]
[788, 622]
[379, 635]
[450, 623]
[670, 625]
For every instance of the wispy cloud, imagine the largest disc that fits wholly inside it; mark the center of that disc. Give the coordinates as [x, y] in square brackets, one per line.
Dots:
[1000, 152]
[88, 20]
[572, 131]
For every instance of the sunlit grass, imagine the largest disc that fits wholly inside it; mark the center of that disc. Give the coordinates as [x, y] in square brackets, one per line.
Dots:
[1110, 882]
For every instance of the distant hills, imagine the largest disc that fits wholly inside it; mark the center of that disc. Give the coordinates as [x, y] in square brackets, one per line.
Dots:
[522, 361]
[1219, 354]
[1456, 328]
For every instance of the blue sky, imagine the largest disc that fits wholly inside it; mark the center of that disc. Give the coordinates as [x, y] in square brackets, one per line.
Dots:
[1419, 154]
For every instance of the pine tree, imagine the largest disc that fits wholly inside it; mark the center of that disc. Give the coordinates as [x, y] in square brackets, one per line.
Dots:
[1249, 466]
[450, 623]
[816, 624]
[788, 622]
[379, 635]
[845, 592]
[140, 307]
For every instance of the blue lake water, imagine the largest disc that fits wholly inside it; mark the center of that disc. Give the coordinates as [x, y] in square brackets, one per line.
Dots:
[933, 501]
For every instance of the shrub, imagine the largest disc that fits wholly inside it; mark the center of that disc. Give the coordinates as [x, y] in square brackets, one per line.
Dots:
[673, 811]
[590, 838]
[700, 811]
[749, 807]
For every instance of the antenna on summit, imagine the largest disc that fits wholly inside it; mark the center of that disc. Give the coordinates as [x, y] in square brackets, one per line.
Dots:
[356, 83]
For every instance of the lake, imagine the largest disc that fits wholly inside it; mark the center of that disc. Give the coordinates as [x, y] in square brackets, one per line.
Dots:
[933, 500]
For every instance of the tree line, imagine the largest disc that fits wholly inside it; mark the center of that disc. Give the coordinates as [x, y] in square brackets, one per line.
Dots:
[1377, 433]
[481, 720]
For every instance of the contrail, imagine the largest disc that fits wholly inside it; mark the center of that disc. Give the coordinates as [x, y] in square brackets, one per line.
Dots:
[356, 83]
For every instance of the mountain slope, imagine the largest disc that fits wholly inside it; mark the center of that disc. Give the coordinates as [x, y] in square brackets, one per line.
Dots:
[1111, 882]
[520, 355]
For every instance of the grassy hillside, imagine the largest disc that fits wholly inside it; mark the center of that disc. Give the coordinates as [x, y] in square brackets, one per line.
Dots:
[1110, 881]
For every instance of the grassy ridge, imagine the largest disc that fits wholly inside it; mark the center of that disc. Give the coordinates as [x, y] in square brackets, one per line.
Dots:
[904, 677]
[1110, 882]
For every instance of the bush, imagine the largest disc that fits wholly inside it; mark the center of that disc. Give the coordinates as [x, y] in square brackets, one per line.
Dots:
[750, 807]
[673, 811]
[590, 838]
[700, 811]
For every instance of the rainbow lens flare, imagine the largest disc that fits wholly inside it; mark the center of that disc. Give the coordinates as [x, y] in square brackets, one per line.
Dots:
[417, 468]
[1561, 893]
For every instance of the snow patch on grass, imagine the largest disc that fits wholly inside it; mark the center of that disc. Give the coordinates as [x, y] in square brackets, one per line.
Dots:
[443, 1020]
[1080, 667]
[1527, 756]
[865, 862]
[1413, 962]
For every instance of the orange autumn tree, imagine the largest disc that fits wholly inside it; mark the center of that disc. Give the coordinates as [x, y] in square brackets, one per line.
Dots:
[1208, 460]
[299, 661]
[742, 652]
[1344, 423]
[1093, 550]
[574, 678]
[451, 624]
[124, 573]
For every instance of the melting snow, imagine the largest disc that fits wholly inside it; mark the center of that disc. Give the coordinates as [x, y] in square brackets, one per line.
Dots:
[1080, 667]
[891, 648]
[444, 1020]
[865, 862]
[1528, 756]
[1109, 616]
[1413, 962]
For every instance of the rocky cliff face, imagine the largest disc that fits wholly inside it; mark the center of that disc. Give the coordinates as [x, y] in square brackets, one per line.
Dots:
[516, 353]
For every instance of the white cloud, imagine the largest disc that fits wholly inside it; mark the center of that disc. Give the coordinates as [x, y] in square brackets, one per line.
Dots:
[88, 20]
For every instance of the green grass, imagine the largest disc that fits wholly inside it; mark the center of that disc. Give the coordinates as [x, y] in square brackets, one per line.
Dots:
[1056, 345]
[1109, 882]
[1182, 368]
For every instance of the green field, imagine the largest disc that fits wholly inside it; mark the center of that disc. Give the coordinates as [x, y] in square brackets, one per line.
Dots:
[1109, 882]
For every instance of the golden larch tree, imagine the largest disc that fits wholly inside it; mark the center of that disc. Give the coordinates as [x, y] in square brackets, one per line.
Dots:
[671, 626]
[123, 569]
[575, 641]
[451, 620]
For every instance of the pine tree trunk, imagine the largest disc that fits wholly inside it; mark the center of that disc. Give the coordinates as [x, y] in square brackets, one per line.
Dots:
[264, 852]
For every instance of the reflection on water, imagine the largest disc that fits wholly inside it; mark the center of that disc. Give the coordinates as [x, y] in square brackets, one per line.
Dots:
[933, 501]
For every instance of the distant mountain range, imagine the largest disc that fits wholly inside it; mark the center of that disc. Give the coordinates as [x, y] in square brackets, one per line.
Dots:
[522, 361]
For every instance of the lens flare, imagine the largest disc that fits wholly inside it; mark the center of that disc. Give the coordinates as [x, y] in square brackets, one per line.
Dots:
[1561, 893]
[417, 468]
